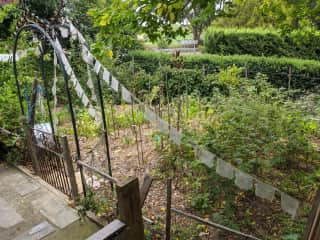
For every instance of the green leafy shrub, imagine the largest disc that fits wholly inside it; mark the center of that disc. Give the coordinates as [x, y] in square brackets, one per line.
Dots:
[305, 73]
[259, 42]
[42, 8]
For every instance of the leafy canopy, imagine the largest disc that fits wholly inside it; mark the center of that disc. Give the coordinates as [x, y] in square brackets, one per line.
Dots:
[122, 20]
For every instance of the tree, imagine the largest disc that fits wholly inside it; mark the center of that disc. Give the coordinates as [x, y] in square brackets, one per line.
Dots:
[201, 16]
[122, 20]
[290, 15]
[8, 13]
[244, 13]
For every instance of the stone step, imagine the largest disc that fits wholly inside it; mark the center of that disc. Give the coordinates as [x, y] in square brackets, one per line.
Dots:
[61, 215]
[38, 232]
[8, 215]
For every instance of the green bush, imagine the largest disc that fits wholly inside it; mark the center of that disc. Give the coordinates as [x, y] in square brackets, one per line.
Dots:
[42, 8]
[305, 73]
[257, 42]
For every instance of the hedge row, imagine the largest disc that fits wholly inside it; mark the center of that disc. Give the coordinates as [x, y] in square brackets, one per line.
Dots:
[305, 74]
[262, 43]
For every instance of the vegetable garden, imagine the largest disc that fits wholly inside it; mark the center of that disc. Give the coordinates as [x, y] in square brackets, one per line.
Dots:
[229, 144]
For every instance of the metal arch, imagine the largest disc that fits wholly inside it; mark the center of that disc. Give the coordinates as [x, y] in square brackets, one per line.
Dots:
[36, 28]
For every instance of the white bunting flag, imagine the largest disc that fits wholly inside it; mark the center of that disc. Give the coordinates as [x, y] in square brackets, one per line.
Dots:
[126, 94]
[150, 115]
[74, 80]
[115, 84]
[225, 169]
[74, 32]
[85, 100]
[97, 67]
[163, 126]
[289, 204]
[64, 32]
[84, 54]
[68, 68]
[81, 38]
[90, 58]
[79, 90]
[206, 157]
[92, 112]
[243, 181]
[106, 76]
[175, 136]
[264, 190]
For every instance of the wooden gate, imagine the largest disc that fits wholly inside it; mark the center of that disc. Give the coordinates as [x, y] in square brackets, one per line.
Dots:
[51, 160]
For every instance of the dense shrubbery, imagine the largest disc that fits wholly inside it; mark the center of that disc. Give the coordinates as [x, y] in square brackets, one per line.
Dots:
[258, 42]
[305, 73]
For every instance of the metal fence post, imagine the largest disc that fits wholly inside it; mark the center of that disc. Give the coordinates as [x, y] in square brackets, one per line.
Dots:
[130, 210]
[70, 169]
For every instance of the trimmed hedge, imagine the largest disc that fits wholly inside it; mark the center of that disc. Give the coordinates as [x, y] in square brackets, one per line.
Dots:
[305, 74]
[259, 42]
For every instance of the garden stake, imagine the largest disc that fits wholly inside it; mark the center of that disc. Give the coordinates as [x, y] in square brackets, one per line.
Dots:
[112, 115]
[105, 128]
[168, 208]
[289, 78]
[139, 125]
[134, 130]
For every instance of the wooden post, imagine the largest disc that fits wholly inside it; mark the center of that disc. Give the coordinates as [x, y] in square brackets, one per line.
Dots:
[246, 71]
[168, 210]
[289, 78]
[70, 169]
[30, 146]
[144, 190]
[129, 209]
[313, 227]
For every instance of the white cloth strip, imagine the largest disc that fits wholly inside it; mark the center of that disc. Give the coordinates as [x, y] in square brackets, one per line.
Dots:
[91, 85]
[97, 67]
[79, 90]
[150, 115]
[206, 157]
[92, 111]
[225, 169]
[175, 135]
[74, 80]
[85, 100]
[243, 181]
[115, 84]
[90, 58]
[64, 32]
[126, 94]
[65, 61]
[289, 204]
[81, 38]
[84, 54]
[106, 76]
[73, 31]
[264, 190]
[163, 126]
